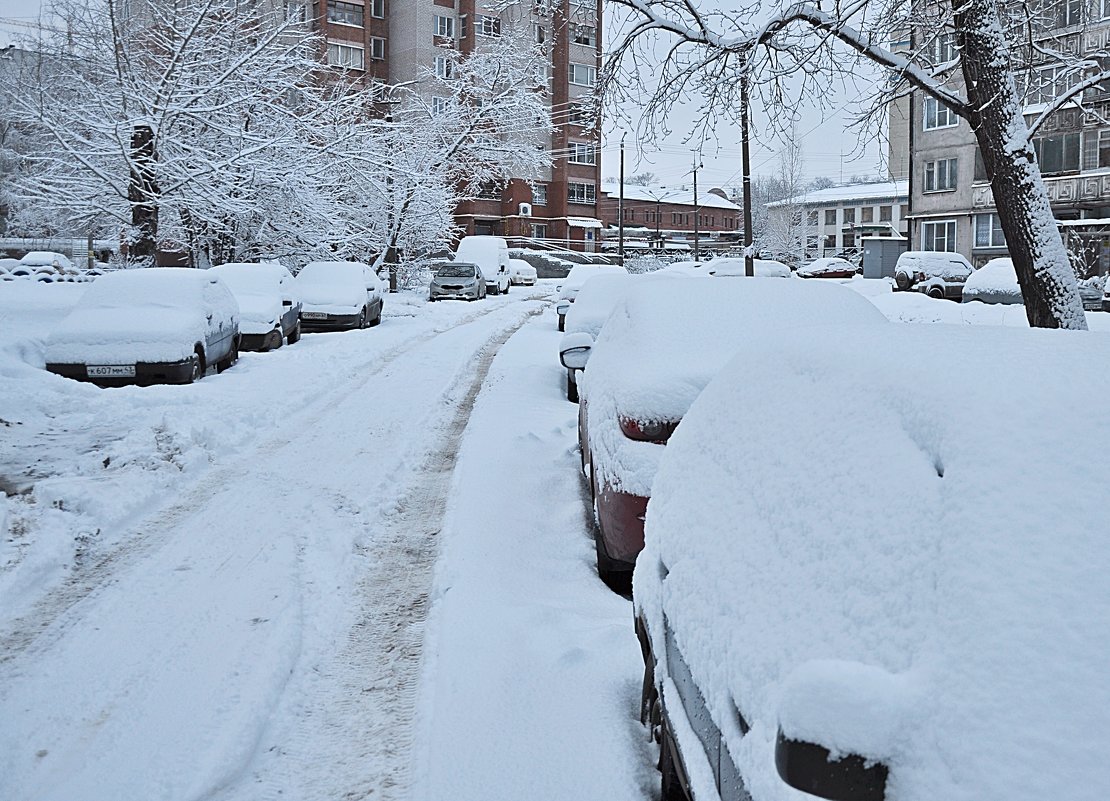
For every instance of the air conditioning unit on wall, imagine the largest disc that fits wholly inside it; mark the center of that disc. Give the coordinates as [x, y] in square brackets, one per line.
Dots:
[525, 209]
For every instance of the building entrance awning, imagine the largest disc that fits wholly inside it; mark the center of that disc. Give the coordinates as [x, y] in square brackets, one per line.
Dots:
[583, 222]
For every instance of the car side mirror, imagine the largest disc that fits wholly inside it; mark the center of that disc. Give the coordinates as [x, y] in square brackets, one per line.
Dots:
[811, 768]
[287, 302]
[574, 350]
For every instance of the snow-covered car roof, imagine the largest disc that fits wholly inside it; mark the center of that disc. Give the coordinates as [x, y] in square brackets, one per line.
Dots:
[826, 265]
[732, 267]
[994, 282]
[46, 258]
[580, 273]
[934, 264]
[333, 282]
[894, 560]
[260, 290]
[595, 301]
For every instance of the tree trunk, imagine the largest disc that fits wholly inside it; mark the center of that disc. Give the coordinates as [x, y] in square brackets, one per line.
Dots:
[142, 193]
[1044, 272]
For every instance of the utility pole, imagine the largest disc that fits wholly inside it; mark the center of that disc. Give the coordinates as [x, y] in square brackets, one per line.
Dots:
[390, 245]
[697, 225]
[749, 257]
[620, 208]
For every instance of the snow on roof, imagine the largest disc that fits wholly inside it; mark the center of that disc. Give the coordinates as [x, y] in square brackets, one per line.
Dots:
[680, 197]
[840, 194]
[833, 521]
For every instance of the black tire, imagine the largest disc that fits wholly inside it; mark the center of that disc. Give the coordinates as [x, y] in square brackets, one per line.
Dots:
[902, 281]
[572, 387]
[362, 318]
[295, 334]
[196, 372]
[378, 319]
[231, 357]
[274, 340]
[507, 286]
[619, 581]
[493, 290]
[562, 321]
[936, 293]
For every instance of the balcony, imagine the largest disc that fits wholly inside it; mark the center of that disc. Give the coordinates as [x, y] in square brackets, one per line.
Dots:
[1080, 190]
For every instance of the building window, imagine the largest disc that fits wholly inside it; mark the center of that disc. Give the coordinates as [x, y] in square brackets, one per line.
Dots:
[675, 218]
[1068, 13]
[830, 216]
[439, 105]
[296, 11]
[988, 231]
[583, 75]
[944, 47]
[813, 217]
[539, 230]
[579, 115]
[346, 56]
[939, 235]
[345, 14]
[585, 35]
[445, 27]
[1056, 154]
[885, 212]
[582, 153]
[830, 242]
[938, 115]
[940, 176]
[489, 190]
[849, 216]
[377, 49]
[539, 194]
[539, 33]
[486, 25]
[867, 214]
[377, 9]
[581, 193]
[445, 68]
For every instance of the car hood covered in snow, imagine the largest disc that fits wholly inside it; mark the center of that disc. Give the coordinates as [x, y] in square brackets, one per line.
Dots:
[110, 336]
[920, 580]
[581, 273]
[327, 283]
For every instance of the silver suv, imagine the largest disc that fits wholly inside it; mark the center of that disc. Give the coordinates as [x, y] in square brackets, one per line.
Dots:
[937, 274]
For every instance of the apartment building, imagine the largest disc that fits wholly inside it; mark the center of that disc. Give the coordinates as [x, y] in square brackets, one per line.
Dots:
[950, 196]
[398, 41]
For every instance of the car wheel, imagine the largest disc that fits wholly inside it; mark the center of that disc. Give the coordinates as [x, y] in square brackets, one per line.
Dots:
[572, 387]
[493, 290]
[902, 281]
[362, 318]
[672, 787]
[562, 321]
[295, 334]
[619, 581]
[378, 318]
[274, 340]
[196, 368]
[507, 287]
[231, 357]
[936, 293]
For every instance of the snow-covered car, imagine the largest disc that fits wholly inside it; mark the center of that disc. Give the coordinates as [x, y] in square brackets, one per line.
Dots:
[338, 295]
[6, 267]
[828, 268]
[57, 263]
[592, 306]
[567, 290]
[937, 274]
[994, 282]
[491, 254]
[521, 272]
[269, 311]
[659, 347]
[924, 617]
[730, 267]
[456, 280]
[159, 325]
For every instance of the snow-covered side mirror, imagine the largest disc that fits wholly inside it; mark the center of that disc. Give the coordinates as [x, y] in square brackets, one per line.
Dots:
[287, 302]
[574, 350]
[811, 768]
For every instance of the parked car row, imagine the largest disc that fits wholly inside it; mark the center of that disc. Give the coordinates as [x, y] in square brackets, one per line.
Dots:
[171, 324]
[847, 579]
[45, 267]
[481, 267]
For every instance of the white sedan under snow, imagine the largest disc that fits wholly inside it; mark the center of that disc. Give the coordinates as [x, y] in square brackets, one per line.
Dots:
[521, 272]
[339, 294]
[269, 311]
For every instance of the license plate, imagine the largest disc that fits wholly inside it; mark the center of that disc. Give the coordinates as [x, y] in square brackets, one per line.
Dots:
[314, 315]
[111, 370]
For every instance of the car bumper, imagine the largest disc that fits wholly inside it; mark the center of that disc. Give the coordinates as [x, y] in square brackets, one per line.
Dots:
[330, 322]
[621, 516]
[454, 294]
[256, 341]
[179, 372]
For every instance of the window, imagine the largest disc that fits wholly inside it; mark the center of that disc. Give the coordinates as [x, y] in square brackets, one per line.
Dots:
[377, 9]
[812, 217]
[539, 33]
[676, 218]
[377, 49]
[1058, 153]
[445, 27]
[490, 190]
[579, 114]
[539, 230]
[439, 105]
[849, 215]
[585, 35]
[867, 214]
[539, 194]
[445, 68]
[486, 25]
[939, 235]
[938, 115]
[581, 193]
[1047, 83]
[347, 56]
[582, 153]
[988, 231]
[345, 13]
[940, 176]
[1068, 12]
[830, 242]
[1104, 146]
[462, 27]
[944, 47]
[885, 213]
[583, 75]
[296, 11]
[830, 216]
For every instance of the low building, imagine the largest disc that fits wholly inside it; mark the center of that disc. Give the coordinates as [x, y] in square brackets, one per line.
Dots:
[654, 215]
[834, 221]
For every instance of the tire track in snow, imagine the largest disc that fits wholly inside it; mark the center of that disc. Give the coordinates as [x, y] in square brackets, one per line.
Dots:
[26, 634]
[354, 735]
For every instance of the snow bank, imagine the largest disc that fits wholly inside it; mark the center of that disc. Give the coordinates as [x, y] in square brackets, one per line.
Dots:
[897, 560]
[994, 282]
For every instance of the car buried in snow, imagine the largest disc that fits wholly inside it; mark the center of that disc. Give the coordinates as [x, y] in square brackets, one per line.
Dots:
[338, 295]
[592, 306]
[730, 267]
[567, 290]
[269, 313]
[906, 603]
[521, 272]
[658, 348]
[161, 325]
[938, 275]
[828, 268]
[456, 280]
[993, 283]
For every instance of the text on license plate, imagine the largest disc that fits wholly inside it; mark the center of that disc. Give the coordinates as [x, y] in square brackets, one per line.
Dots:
[314, 315]
[111, 370]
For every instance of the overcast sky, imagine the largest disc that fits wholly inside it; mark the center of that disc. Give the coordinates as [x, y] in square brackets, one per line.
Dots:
[827, 149]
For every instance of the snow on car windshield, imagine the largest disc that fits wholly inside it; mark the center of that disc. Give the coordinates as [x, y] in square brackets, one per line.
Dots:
[455, 270]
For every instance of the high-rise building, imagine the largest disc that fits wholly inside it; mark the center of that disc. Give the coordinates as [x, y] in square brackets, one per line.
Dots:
[398, 41]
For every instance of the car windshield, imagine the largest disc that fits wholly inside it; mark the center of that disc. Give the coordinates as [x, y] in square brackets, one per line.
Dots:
[455, 271]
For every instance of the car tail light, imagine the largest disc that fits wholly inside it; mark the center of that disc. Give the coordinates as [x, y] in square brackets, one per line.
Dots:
[919, 276]
[657, 431]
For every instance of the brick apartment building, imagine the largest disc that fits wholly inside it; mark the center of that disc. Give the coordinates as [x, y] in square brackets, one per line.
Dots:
[396, 40]
[660, 214]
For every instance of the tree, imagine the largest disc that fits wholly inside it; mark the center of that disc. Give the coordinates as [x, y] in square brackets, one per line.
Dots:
[961, 58]
[782, 232]
[641, 179]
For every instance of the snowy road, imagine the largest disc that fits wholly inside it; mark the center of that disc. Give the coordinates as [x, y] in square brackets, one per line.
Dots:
[249, 622]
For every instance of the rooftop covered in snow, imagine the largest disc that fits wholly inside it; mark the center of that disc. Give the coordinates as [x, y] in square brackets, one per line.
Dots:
[843, 194]
[681, 197]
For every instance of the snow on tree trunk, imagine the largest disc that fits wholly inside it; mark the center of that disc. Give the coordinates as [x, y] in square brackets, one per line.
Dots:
[142, 193]
[1044, 272]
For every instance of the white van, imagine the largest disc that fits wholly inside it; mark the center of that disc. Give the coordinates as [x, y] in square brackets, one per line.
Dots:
[491, 254]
